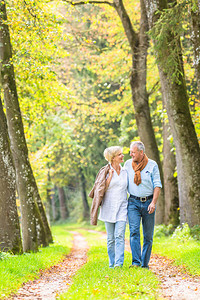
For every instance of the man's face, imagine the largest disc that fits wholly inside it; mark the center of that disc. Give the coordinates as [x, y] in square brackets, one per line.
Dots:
[136, 154]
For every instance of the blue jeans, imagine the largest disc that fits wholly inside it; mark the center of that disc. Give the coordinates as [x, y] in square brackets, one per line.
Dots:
[137, 210]
[115, 242]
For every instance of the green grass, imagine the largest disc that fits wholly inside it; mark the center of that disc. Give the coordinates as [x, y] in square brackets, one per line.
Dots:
[95, 280]
[16, 269]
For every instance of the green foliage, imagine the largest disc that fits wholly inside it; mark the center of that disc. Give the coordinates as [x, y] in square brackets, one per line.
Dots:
[5, 255]
[73, 69]
[35, 34]
[195, 232]
[182, 233]
[174, 52]
[163, 230]
[166, 33]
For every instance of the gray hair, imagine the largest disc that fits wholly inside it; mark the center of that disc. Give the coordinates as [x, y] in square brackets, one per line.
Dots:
[139, 145]
[111, 152]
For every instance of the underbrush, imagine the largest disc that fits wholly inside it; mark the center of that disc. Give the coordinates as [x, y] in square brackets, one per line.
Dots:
[17, 269]
[95, 280]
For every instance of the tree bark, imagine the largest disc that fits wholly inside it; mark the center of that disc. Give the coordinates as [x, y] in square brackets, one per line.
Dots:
[26, 185]
[139, 43]
[170, 182]
[195, 16]
[49, 196]
[46, 231]
[184, 135]
[10, 237]
[86, 208]
[64, 212]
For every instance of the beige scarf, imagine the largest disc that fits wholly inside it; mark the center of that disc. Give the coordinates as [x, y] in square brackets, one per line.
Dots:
[138, 168]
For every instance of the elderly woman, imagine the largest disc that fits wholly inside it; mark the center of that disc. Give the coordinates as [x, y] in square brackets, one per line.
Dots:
[113, 209]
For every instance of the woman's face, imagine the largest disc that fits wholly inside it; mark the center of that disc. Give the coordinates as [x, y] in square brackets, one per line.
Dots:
[119, 158]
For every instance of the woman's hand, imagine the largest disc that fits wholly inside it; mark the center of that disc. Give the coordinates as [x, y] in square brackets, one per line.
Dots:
[108, 180]
[111, 171]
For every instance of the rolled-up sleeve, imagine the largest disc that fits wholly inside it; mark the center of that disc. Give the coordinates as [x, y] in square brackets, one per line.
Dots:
[156, 177]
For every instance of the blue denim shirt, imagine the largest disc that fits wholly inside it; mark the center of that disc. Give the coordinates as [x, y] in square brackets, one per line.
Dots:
[150, 177]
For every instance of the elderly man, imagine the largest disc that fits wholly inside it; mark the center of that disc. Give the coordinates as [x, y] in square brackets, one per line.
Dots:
[144, 186]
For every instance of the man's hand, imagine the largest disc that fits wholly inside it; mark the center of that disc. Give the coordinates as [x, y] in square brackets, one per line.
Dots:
[152, 205]
[151, 208]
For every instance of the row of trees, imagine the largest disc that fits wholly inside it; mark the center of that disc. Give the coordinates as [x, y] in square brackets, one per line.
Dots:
[86, 78]
[15, 166]
[164, 23]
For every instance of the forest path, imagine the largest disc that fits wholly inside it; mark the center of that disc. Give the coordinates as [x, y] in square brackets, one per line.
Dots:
[57, 279]
[176, 283]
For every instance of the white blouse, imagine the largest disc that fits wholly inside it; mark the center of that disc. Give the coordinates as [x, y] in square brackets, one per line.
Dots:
[115, 202]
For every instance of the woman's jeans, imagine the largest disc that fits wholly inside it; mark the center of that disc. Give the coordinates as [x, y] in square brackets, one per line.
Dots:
[115, 242]
[137, 210]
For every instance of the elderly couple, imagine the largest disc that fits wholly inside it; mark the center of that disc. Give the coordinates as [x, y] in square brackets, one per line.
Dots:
[141, 179]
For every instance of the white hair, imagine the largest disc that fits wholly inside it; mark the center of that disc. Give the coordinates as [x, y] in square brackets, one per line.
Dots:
[139, 145]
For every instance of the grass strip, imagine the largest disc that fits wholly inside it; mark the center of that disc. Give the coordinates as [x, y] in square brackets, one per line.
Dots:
[95, 280]
[17, 269]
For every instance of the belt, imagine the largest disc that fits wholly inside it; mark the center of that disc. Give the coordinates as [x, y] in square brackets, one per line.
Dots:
[142, 199]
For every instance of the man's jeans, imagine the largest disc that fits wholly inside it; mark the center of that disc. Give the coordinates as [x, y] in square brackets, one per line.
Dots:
[137, 210]
[115, 242]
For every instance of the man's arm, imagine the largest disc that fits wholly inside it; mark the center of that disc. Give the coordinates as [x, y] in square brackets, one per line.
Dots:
[152, 205]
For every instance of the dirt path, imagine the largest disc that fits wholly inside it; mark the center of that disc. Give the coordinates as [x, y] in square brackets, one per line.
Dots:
[176, 283]
[56, 279]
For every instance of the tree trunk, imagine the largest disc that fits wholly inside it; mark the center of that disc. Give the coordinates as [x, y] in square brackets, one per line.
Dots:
[170, 182]
[86, 208]
[184, 135]
[44, 222]
[53, 205]
[10, 238]
[41, 233]
[49, 196]
[139, 44]
[195, 16]
[64, 212]
[26, 185]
